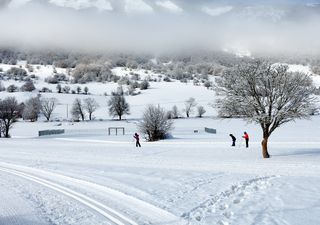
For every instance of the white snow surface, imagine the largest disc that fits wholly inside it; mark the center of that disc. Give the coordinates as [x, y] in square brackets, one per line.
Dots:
[87, 177]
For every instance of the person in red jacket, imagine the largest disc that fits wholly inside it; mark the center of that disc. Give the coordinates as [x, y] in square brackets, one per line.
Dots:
[246, 137]
[136, 136]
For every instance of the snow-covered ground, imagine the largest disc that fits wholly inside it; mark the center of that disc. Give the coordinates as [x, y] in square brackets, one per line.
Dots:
[87, 177]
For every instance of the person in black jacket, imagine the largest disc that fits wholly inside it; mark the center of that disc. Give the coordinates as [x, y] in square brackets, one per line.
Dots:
[233, 140]
[136, 136]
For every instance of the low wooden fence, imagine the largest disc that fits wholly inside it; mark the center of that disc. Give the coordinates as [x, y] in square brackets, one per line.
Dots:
[210, 130]
[50, 132]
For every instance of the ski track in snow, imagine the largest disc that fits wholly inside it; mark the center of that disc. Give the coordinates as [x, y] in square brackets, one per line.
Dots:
[221, 205]
[154, 214]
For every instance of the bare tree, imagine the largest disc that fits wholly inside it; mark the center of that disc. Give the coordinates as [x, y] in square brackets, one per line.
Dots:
[9, 111]
[2, 87]
[66, 89]
[118, 106]
[31, 110]
[175, 112]
[78, 109]
[201, 111]
[78, 89]
[91, 105]
[155, 123]
[266, 94]
[59, 88]
[189, 106]
[1, 127]
[86, 90]
[47, 106]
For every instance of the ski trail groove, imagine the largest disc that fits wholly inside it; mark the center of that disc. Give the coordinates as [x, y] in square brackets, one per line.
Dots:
[102, 209]
[150, 213]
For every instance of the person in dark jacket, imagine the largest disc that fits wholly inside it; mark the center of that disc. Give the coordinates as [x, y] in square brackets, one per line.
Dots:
[233, 140]
[246, 138]
[136, 136]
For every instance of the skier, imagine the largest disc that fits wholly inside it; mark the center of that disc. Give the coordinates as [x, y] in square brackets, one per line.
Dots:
[233, 140]
[246, 137]
[136, 136]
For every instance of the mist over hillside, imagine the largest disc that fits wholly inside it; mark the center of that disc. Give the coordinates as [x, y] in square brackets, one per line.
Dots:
[159, 26]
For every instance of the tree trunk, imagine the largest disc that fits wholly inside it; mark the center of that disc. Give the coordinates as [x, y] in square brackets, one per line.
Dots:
[7, 132]
[119, 117]
[90, 116]
[265, 152]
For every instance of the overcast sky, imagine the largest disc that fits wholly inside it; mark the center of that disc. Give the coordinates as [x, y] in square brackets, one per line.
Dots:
[163, 25]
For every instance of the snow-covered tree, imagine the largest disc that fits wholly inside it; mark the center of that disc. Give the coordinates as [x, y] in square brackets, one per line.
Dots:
[9, 111]
[86, 90]
[28, 86]
[155, 123]
[91, 105]
[266, 94]
[12, 88]
[47, 106]
[144, 85]
[59, 88]
[118, 106]
[78, 110]
[201, 111]
[175, 112]
[189, 106]
[2, 87]
[66, 89]
[32, 109]
[78, 89]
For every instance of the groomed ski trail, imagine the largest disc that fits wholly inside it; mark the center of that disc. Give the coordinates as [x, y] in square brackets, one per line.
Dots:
[154, 214]
[105, 211]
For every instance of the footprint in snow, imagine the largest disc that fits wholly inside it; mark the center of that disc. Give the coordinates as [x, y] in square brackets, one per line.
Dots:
[227, 214]
[236, 201]
[221, 222]
[223, 207]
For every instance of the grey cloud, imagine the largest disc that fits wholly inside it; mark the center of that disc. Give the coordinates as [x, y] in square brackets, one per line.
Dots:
[4, 3]
[44, 25]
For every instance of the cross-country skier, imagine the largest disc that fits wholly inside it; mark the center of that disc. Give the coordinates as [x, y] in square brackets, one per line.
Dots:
[233, 140]
[136, 136]
[246, 137]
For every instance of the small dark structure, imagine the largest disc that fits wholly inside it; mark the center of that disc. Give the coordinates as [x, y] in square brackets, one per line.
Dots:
[50, 132]
[210, 130]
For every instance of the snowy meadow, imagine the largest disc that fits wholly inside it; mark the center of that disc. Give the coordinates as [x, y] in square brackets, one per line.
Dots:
[86, 176]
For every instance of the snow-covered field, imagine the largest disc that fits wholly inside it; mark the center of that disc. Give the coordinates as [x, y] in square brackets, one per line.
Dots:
[87, 177]
[93, 178]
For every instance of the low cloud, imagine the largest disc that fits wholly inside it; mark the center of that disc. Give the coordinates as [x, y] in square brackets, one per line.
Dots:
[217, 11]
[101, 5]
[137, 6]
[146, 25]
[170, 6]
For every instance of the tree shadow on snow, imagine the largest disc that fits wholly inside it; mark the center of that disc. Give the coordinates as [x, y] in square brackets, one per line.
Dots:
[315, 151]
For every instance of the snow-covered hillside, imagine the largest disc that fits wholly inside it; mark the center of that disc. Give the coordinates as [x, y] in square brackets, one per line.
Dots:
[166, 94]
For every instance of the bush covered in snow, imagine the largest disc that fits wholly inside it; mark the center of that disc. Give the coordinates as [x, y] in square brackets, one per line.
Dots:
[28, 86]
[56, 78]
[84, 73]
[16, 73]
[32, 109]
[12, 88]
[155, 123]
